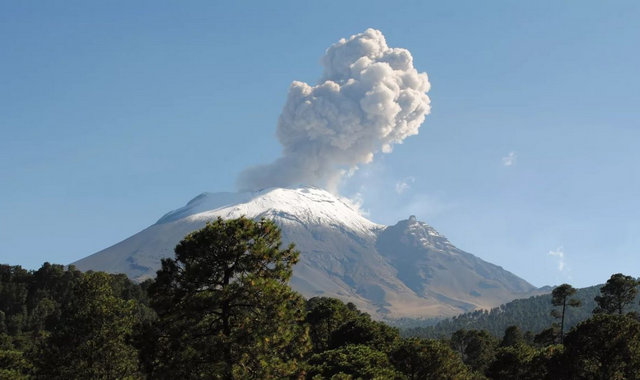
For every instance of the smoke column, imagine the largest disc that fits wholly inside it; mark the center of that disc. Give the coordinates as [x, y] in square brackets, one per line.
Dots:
[369, 98]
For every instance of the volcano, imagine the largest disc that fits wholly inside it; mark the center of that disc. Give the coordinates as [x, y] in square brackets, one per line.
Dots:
[390, 272]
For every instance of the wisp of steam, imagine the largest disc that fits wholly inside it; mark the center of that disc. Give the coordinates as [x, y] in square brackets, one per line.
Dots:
[369, 98]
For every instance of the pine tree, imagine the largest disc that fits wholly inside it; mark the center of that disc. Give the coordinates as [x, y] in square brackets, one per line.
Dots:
[324, 316]
[476, 347]
[616, 295]
[604, 347]
[91, 340]
[561, 297]
[512, 336]
[421, 359]
[354, 361]
[225, 308]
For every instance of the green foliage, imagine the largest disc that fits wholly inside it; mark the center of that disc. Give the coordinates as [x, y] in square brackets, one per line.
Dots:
[223, 310]
[476, 348]
[547, 364]
[604, 347]
[513, 337]
[14, 366]
[224, 307]
[511, 362]
[351, 362]
[348, 344]
[91, 340]
[37, 306]
[530, 314]
[548, 337]
[561, 297]
[14, 290]
[324, 316]
[428, 359]
[617, 295]
[364, 331]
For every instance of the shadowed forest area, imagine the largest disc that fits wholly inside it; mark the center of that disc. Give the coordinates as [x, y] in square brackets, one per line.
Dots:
[223, 309]
[531, 314]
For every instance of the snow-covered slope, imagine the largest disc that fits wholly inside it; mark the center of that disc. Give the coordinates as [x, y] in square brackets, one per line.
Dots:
[307, 205]
[404, 270]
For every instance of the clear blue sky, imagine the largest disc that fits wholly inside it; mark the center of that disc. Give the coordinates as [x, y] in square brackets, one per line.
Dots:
[113, 113]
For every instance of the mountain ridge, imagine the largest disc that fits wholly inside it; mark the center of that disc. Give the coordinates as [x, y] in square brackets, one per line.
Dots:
[405, 270]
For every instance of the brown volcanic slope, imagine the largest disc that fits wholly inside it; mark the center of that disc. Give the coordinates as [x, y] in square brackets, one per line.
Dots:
[406, 270]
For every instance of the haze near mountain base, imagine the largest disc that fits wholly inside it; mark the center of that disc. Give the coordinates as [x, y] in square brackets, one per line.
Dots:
[369, 98]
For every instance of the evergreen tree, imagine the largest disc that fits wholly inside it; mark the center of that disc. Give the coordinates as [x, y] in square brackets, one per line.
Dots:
[324, 316]
[548, 337]
[91, 340]
[14, 291]
[225, 308]
[475, 347]
[351, 362]
[429, 359]
[604, 347]
[14, 366]
[616, 295]
[512, 363]
[363, 330]
[561, 297]
[512, 337]
[547, 364]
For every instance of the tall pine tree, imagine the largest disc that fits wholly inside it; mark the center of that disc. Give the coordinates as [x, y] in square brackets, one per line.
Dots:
[616, 295]
[225, 308]
[562, 297]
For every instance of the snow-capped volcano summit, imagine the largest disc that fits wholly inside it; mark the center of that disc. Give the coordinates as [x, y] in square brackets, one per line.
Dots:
[389, 271]
[305, 204]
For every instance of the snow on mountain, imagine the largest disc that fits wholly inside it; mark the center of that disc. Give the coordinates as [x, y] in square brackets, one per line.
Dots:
[308, 205]
[406, 270]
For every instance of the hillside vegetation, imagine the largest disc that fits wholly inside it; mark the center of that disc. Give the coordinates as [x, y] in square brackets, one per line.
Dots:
[223, 309]
[530, 314]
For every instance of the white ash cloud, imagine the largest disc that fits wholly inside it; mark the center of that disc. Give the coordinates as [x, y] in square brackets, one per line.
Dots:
[509, 159]
[404, 185]
[559, 253]
[369, 98]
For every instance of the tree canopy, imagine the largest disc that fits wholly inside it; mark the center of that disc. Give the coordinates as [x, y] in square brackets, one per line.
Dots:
[224, 306]
[223, 309]
[562, 297]
[604, 347]
[92, 339]
[617, 295]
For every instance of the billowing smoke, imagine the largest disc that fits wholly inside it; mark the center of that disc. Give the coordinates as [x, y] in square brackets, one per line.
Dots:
[369, 98]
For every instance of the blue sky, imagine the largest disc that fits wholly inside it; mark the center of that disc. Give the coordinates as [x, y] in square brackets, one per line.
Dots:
[112, 114]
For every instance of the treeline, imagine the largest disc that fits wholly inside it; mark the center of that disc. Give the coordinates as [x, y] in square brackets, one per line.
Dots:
[223, 309]
[50, 315]
[531, 314]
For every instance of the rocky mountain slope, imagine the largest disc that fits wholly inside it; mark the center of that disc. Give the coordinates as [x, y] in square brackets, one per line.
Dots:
[406, 270]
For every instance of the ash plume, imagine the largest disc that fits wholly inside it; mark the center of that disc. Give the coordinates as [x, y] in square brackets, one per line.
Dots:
[369, 98]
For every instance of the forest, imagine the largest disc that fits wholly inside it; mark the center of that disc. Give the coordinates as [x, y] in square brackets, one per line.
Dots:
[223, 309]
[530, 314]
